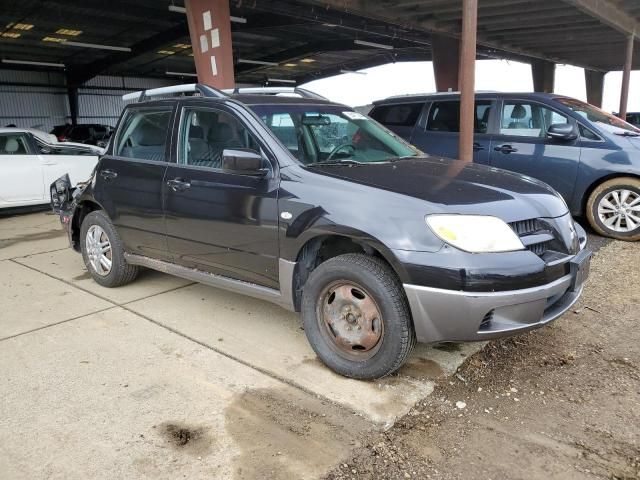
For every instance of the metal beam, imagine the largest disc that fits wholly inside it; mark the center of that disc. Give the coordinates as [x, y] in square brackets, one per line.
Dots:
[594, 82]
[608, 13]
[151, 44]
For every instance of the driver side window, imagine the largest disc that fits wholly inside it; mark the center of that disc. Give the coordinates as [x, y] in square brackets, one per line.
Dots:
[526, 119]
[13, 144]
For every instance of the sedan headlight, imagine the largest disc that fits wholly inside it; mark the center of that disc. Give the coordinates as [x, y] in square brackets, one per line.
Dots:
[475, 233]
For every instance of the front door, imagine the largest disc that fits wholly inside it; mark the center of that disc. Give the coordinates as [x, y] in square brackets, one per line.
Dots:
[21, 180]
[441, 134]
[522, 145]
[217, 221]
[131, 176]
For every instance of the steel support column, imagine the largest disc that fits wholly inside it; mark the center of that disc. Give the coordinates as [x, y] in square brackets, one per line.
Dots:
[467, 78]
[544, 74]
[72, 94]
[445, 52]
[210, 31]
[626, 78]
[595, 86]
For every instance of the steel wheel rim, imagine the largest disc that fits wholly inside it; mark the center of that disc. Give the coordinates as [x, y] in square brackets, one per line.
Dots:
[98, 248]
[350, 319]
[619, 210]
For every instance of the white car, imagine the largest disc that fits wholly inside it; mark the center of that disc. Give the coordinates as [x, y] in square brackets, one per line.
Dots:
[31, 160]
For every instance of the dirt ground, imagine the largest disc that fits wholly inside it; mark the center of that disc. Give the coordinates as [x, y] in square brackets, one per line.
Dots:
[562, 402]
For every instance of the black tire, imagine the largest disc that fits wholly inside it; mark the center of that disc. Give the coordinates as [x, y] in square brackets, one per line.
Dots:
[370, 277]
[120, 272]
[601, 192]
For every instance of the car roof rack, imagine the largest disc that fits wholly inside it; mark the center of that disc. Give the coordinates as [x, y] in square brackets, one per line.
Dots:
[204, 90]
[302, 92]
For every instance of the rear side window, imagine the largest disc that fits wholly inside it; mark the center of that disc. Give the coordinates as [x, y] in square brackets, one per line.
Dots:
[402, 115]
[143, 134]
[445, 116]
[13, 144]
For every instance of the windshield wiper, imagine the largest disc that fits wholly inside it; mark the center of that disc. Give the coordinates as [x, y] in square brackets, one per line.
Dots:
[334, 162]
[627, 133]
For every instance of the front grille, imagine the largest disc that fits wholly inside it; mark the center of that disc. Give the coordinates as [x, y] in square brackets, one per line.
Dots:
[524, 228]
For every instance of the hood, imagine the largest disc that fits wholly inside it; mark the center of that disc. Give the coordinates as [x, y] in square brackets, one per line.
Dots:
[453, 186]
[634, 141]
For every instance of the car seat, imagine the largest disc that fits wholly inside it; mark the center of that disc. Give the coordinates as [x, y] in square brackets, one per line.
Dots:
[517, 114]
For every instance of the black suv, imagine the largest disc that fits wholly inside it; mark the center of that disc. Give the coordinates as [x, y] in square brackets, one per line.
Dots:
[313, 206]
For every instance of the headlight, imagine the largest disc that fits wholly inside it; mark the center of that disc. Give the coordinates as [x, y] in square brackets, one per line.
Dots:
[475, 233]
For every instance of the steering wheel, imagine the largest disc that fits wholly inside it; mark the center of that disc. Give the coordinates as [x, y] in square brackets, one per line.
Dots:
[340, 147]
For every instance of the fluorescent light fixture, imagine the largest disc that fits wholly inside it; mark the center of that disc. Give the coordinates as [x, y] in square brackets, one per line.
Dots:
[97, 46]
[69, 32]
[280, 80]
[177, 9]
[36, 64]
[166, 52]
[10, 35]
[373, 44]
[307, 60]
[53, 39]
[258, 62]
[290, 65]
[20, 26]
[181, 74]
[352, 71]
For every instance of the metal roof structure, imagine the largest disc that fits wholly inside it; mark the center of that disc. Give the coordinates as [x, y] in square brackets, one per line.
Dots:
[299, 40]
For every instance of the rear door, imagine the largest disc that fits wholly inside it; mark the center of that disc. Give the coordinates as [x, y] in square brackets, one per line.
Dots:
[220, 222]
[21, 180]
[131, 175]
[521, 145]
[441, 133]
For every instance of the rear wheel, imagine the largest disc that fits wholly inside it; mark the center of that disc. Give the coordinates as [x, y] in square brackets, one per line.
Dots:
[356, 317]
[103, 253]
[613, 209]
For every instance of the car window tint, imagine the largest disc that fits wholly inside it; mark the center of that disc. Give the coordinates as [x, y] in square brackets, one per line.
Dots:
[206, 133]
[13, 144]
[404, 114]
[527, 119]
[144, 134]
[445, 117]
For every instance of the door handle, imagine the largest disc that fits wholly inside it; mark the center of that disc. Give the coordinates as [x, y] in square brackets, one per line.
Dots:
[108, 174]
[178, 184]
[505, 149]
[477, 147]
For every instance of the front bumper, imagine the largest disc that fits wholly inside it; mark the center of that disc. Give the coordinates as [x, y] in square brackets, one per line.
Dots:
[441, 315]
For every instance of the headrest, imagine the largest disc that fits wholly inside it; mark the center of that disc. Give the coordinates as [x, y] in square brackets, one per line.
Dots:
[195, 131]
[12, 146]
[518, 112]
[149, 135]
[220, 132]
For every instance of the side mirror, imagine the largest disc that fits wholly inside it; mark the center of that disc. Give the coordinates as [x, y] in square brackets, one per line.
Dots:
[243, 162]
[60, 192]
[562, 131]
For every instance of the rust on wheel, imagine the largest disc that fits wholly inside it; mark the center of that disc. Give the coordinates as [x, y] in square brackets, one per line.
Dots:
[350, 318]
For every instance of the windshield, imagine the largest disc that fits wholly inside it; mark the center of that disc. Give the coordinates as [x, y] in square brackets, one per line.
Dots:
[606, 121]
[328, 133]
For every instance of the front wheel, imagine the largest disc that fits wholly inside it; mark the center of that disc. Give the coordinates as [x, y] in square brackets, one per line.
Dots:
[613, 209]
[356, 317]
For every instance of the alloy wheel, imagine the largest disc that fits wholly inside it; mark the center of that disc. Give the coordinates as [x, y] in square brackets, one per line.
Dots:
[619, 210]
[98, 248]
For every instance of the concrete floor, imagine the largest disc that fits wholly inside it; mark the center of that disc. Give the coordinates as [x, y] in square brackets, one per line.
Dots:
[166, 378]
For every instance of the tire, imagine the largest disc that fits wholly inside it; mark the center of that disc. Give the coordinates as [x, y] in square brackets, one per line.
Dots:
[351, 291]
[98, 225]
[601, 207]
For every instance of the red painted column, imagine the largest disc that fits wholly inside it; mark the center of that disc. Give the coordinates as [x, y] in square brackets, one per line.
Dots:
[210, 31]
[467, 79]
